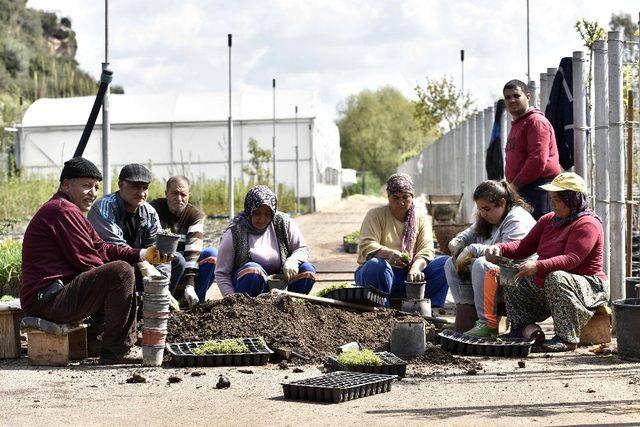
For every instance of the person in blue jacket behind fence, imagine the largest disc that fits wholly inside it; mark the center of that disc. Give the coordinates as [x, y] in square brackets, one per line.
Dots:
[396, 245]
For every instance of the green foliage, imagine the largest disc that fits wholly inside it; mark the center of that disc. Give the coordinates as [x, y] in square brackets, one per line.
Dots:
[377, 131]
[589, 32]
[367, 183]
[10, 266]
[364, 357]
[352, 237]
[405, 257]
[441, 103]
[258, 173]
[230, 346]
[325, 291]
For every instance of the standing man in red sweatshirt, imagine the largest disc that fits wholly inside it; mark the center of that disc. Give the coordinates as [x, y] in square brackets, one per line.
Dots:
[531, 154]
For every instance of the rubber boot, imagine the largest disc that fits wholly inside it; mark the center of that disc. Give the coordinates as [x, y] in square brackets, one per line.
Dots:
[466, 317]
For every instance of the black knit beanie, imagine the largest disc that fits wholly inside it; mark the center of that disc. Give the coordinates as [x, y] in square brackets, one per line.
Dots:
[79, 167]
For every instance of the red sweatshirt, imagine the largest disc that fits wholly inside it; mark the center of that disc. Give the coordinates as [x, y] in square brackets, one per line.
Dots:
[60, 243]
[531, 152]
[575, 248]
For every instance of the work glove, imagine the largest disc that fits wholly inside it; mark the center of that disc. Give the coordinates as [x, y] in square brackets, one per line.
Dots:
[291, 268]
[455, 246]
[190, 296]
[173, 304]
[153, 256]
[492, 250]
[464, 259]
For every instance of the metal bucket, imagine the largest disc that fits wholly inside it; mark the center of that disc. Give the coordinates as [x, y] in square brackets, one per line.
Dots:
[415, 290]
[627, 314]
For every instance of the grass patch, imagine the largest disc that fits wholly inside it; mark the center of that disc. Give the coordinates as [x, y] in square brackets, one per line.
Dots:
[10, 266]
[230, 346]
[359, 358]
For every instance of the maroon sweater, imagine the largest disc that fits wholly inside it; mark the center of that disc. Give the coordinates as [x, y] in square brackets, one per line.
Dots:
[575, 248]
[60, 243]
[531, 152]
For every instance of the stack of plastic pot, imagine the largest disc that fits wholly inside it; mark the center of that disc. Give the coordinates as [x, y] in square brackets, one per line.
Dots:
[156, 314]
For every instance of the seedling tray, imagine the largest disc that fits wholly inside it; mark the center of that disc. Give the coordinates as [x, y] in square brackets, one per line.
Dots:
[391, 365]
[456, 342]
[182, 354]
[337, 387]
[365, 295]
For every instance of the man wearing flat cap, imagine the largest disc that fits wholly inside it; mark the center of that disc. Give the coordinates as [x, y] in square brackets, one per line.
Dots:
[125, 218]
[70, 273]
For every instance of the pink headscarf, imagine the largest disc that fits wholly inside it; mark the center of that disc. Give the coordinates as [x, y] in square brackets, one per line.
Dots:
[403, 183]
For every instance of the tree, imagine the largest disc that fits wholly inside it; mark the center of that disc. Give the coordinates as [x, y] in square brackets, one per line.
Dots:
[440, 105]
[378, 131]
[258, 173]
[631, 52]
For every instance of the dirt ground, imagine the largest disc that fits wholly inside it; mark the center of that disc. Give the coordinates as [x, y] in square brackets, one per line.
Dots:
[576, 388]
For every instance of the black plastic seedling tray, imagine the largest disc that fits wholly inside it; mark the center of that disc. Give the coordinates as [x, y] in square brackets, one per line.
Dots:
[337, 387]
[365, 295]
[391, 365]
[182, 354]
[456, 342]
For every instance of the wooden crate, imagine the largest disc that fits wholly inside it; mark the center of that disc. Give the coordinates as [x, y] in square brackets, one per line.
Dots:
[56, 350]
[10, 333]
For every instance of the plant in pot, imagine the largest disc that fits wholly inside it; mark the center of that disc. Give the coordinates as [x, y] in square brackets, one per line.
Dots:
[167, 242]
[350, 242]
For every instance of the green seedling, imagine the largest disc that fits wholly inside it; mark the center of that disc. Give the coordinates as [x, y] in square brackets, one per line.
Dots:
[352, 237]
[359, 358]
[230, 346]
[328, 289]
[405, 257]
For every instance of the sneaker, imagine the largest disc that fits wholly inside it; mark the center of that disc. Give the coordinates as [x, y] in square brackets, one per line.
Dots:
[482, 330]
[130, 356]
[557, 345]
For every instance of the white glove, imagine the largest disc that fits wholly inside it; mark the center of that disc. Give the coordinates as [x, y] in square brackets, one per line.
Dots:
[173, 304]
[464, 259]
[455, 246]
[291, 268]
[190, 296]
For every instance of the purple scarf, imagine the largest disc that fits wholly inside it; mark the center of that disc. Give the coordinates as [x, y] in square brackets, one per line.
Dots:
[403, 183]
[578, 205]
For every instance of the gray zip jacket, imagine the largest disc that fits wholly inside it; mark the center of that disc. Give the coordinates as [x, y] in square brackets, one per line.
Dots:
[514, 226]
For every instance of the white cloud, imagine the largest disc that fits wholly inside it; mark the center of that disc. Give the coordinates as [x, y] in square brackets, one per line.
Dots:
[334, 47]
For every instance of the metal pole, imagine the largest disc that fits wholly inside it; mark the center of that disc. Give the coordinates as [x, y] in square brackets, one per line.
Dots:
[544, 92]
[629, 178]
[488, 128]
[464, 159]
[106, 123]
[601, 141]
[471, 156]
[528, 50]
[580, 116]
[551, 75]
[479, 152]
[275, 187]
[230, 137]
[462, 72]
[533, 90]
[453, 149]
[616, 165]
[297, 167]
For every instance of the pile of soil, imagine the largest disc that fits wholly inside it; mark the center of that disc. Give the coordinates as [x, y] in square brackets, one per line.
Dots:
[315, 331]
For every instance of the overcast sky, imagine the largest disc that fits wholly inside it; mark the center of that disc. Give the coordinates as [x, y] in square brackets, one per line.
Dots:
[336, 48]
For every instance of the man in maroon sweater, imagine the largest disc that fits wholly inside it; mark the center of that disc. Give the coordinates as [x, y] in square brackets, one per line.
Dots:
[531, 154]
[70, 273]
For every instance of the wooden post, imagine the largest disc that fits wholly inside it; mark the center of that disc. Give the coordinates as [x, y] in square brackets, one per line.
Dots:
[629, 206]
[10, 334]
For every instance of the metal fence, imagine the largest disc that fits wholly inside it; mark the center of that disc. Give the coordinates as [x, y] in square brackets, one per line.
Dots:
[455, 163]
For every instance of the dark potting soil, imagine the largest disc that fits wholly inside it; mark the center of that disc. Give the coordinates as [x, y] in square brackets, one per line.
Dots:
[315, 331]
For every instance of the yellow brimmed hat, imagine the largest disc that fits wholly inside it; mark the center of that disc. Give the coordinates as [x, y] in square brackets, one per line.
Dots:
[566, 181]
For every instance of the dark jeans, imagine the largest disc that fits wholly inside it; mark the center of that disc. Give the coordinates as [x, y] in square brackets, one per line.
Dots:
[539, 199]
[107, 294]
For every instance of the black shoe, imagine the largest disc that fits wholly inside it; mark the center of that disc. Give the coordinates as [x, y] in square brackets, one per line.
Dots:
[515, 332]
[130, 356]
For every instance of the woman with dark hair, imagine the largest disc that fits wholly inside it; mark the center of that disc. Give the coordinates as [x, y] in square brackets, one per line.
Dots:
[502, 216]
[261, 241]
[567, 281]
[396, 245]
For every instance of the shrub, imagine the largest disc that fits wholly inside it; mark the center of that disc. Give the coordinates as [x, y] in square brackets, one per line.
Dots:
[10, 266]
[369, 180]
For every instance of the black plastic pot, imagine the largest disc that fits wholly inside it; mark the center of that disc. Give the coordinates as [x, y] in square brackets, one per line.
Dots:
[630, 286]
[167, 243]
[627, 313]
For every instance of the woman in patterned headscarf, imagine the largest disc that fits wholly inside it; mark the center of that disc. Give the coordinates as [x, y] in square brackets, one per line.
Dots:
[261, 241]
[567, 281]
[396, 245]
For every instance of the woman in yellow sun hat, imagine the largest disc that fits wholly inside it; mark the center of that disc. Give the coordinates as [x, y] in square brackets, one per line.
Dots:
[567, 281]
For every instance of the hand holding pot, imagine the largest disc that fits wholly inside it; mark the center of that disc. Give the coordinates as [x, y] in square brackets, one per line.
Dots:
[153, 256]
[290, 269]
[526, 269]
[415, 274]
[456, 246]
[463, 260]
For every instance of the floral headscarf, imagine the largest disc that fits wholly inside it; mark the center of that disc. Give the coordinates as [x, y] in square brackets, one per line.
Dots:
[403, 183]
[256, 197]
[578, 205]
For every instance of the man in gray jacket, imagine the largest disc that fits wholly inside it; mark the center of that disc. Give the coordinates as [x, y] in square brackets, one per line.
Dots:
[125, 218]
